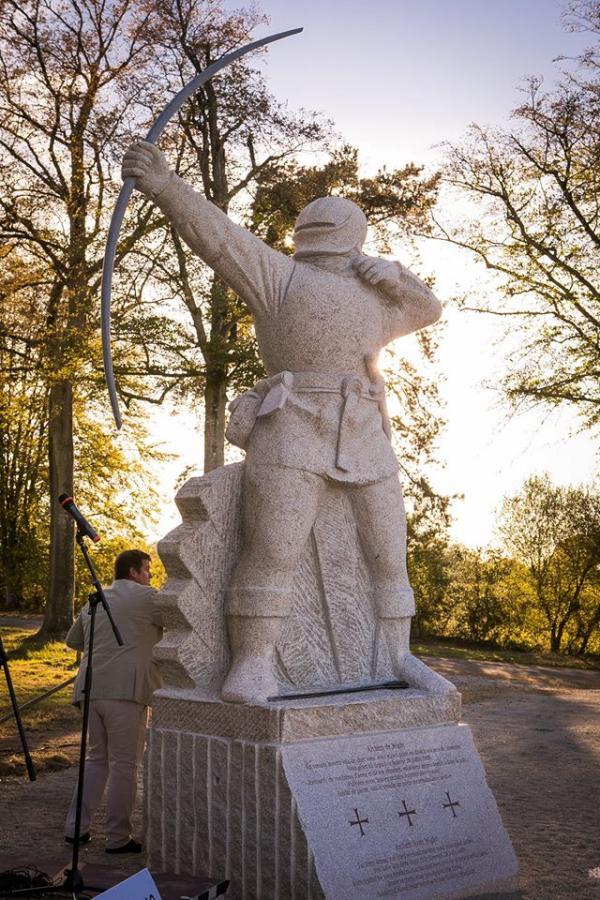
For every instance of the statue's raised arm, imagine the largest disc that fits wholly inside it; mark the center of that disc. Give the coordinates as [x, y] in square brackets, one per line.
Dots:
[256, 272]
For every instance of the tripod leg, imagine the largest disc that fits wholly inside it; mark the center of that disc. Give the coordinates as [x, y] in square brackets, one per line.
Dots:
[74, 871]
[19, 721]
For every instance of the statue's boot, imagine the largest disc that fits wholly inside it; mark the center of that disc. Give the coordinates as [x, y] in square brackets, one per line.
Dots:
[406, 666]
[251, 677]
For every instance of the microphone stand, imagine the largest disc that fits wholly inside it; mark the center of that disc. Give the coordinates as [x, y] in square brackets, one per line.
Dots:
[73, 878]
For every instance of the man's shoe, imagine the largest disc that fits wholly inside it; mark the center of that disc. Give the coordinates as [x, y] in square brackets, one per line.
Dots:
[130, 847]
[83, 838]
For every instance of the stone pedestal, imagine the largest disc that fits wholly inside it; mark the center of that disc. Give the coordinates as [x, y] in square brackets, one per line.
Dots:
[261, 795]
[217, 798]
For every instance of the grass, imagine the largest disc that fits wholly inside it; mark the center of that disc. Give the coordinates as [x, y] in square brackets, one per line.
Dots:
[447, 648]
[35, 667]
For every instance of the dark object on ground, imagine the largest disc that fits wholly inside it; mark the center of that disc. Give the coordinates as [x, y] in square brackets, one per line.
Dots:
[170, 886]
[130, 847]
[83, 838]
[22, 878]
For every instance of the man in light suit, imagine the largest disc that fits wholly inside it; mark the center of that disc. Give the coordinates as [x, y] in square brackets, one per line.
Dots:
[124, 679]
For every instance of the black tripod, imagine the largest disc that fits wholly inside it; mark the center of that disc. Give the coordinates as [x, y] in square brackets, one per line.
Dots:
[73, 882]
[17, 714]
[73, 879]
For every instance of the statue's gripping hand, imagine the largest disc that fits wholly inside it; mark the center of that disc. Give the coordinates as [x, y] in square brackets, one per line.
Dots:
[146, 163]
[380, 273]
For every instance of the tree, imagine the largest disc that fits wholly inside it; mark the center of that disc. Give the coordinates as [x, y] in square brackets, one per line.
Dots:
[585, 635]
[70, 72]
[23, 432]
[481, 592]
[535, 191]
[428, 567]
[114, 487]
[555, 532]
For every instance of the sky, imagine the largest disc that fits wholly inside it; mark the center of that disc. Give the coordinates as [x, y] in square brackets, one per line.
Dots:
[399, 76]
[397, 79]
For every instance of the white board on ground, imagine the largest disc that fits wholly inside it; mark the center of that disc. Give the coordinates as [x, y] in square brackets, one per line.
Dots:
[404, 814]
[140, 886]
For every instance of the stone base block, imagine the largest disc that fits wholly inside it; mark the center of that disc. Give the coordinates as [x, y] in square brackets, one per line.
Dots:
[301, 720]
[271, 796]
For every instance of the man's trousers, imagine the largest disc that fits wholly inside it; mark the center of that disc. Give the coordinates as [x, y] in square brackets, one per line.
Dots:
[116, 745]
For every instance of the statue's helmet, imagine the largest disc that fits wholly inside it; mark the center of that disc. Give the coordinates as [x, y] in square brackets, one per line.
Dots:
[329, 226]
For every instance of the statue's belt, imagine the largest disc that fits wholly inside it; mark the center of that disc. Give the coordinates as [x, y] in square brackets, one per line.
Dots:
[275, 391]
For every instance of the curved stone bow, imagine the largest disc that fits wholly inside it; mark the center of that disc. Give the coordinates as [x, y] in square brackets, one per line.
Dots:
[127, 188]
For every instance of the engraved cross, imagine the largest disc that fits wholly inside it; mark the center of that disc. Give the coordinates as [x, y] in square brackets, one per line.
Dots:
[360, 822]
[407, 812]
[451, 804]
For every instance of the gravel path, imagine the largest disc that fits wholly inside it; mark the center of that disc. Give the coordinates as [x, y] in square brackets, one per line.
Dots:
[537, 730]
[29, 623]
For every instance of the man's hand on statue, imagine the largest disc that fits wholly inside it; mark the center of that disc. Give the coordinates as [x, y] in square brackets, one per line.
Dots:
[380, 273]
[146, 163]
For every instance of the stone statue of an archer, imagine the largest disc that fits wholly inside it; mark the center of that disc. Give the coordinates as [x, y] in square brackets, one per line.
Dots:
[321, 319]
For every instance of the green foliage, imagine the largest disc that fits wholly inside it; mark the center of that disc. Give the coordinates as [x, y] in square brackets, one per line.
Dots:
[482, 592]
[555, 533]
[542, 592]
[112, 475]
[430, 579]
[23, 438]
[473, 595]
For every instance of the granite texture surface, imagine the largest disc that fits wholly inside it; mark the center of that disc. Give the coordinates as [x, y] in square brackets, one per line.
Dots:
[300, 720]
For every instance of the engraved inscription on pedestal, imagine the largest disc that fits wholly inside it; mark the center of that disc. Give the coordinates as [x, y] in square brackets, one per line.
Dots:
[404, 814]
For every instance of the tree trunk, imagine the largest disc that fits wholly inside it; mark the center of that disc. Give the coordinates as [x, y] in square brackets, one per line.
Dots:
[555, 639]
[581, 650]
[11, 597]
[215, 399]
[58, 615]
[11, 571]
[585, 634]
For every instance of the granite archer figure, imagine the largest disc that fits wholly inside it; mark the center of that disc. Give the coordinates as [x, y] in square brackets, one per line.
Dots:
[321, 319]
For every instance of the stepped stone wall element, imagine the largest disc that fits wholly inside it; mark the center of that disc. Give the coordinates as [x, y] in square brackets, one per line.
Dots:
[330, 637]
[216, 796]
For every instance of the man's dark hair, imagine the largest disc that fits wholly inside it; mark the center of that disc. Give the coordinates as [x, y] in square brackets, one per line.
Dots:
[129, 559]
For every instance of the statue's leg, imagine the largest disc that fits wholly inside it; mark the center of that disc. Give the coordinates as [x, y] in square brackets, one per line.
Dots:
[279, 508]
[381, 520]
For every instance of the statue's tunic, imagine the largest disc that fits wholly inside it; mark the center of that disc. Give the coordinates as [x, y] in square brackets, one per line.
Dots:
[322, 409]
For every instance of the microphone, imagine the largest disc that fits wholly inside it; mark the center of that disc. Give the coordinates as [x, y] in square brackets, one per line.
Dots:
[83, 525]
